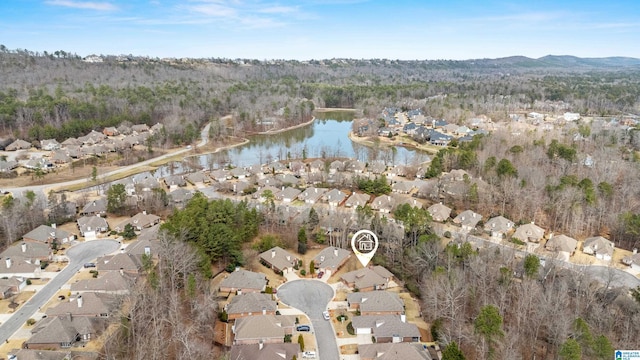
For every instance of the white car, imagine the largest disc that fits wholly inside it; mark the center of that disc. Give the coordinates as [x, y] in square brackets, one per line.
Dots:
[309, 355]
[325, 315]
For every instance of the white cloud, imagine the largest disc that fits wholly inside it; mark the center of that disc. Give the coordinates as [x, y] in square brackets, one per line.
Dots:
[100, 6]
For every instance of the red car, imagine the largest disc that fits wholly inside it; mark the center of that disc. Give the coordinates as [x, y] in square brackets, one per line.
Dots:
[320, 274]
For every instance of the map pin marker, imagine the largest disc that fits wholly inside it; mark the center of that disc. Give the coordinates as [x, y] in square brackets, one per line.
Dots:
[364, 244]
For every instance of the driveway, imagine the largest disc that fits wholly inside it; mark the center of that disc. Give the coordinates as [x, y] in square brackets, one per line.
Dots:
[312, 298]
[78, 255]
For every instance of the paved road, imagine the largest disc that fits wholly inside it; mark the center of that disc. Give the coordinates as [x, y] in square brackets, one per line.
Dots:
[312, 298]
[78, 255]
[44, 189]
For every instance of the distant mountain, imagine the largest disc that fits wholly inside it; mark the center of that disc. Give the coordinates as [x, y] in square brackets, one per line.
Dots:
[558, 62]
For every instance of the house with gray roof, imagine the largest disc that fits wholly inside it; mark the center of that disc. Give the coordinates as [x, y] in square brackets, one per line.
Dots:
[498, 227]
[368, 279]
[266, 329]
[265, 351]
[297, 168]
[334, 197]
[110, 282]
[198, 177]
[632, 260]
[402, 187]
[33, 354]
[140, 128]
[394, 351]
[288, 195]
[383, 204]
[331, 259]
[312, 195]
[598, 246]
[336, 166]
[6, 166]
[125, 262]
[251, 304]
[529, 232]
[181, 196]
[376, 303]
[386, 328]
[316, 166]
[287, 179]
[174, 181]
[28, 250]
[563, 245]
[278, 259]
[354, 166]
[439, 212]
[243, 281]
[467, 220]
[64, 331]
[20, 266]
[87, 304]
[95, 207]
[139, 221]
[357, 199]
[50, 144]
[10, 286]
[90, 226]
[60, 157]
[18, 145]
[48, 235]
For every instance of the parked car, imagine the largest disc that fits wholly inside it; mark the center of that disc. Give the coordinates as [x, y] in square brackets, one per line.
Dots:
[309, 355]
[303, 328]
[61, 297]
[325, 315]
[320, 274]
[89, 265]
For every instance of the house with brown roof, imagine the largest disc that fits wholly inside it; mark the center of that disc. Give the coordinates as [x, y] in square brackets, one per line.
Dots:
[125, 262]
[251, 304]
[278, 259]
[529, 232]
[64, 331]
[284, 351]
[376, 303]
[368, 279]
[563, 245]
[266, 329]
[87, 304]
[394, 351]
[331, 259]
[386, 328]
[110, 131]
[598, 246]
[18, 145]
[139, 221]
[243, 281]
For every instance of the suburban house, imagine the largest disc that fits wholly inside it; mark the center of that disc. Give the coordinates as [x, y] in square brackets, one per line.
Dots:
[251, 304]
[111, 282]
[18, 145]
[174, 181]
[266, 329]
[278, 259]
[263, 351]
[90, 226]
[147, 242]
[598, 246]
[395, 351]
[331, 259]
[11, 286]
[376, 303]
[336, 166]
[439, 212]
[357, 199]
[95, 207]
[633, 260]
[123, 262]
[312, 195]
[139, 221]
[6, 166]
[368, 279]
[198, 177]
[529, 232]
[48, 235]
[563, 245]
[88, 304]
[110, 131]
[288, 195]
[386, 328]
[383, 204]
[243, 281]
[467, 220]
[334, 197]
[316, 166]
[28, 250]
[181, 196]
[498, 227]
[50, 144]
[20, 266]
[402, 187]
[64, 331]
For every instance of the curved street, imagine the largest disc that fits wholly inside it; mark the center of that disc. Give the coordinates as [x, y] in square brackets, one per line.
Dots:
[78, 255]
[312, 298]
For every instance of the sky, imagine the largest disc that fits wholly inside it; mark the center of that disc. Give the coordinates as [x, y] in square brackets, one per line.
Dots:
[324, 29]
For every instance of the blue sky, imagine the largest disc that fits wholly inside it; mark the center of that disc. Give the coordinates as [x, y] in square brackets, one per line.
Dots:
[322, 29]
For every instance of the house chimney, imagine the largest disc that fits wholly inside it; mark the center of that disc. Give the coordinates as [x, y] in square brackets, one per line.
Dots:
[239, 292]
[121, 272]
[260, 345]
[335, 252]
[147, 250]
[379, 323]
[144, 212]
[322, 258]
[24, 247]
[288, 257]
[8, 260]
[79, 300]
[273, 253]
[53, 225]
[403, 318]
[635, 251]
[264, 311]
